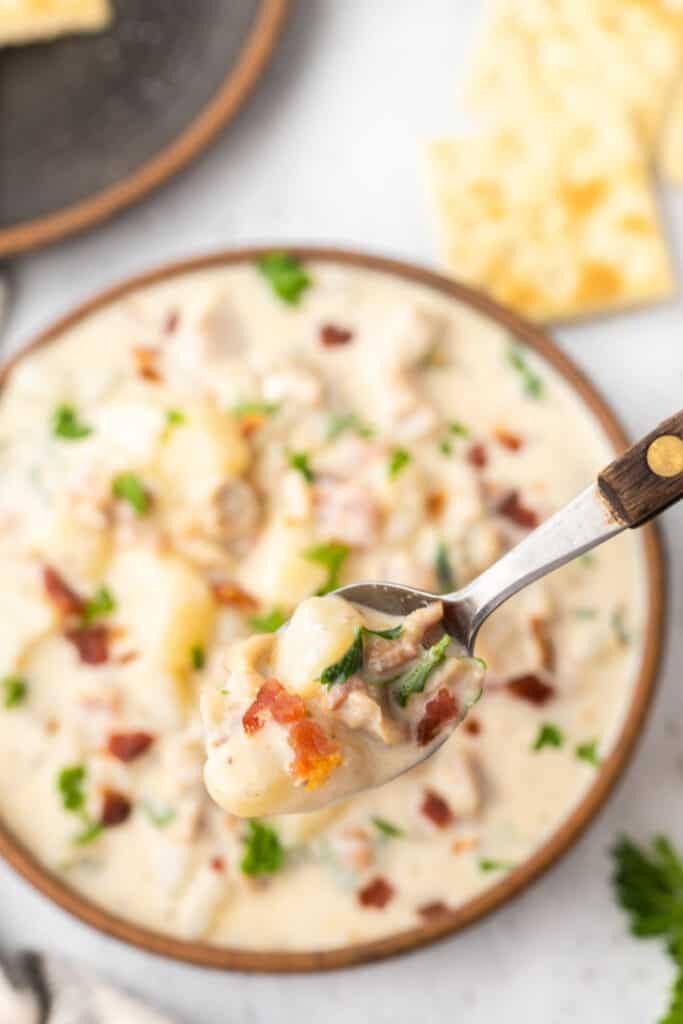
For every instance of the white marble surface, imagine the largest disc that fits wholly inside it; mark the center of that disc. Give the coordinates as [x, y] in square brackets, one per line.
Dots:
[328, 150]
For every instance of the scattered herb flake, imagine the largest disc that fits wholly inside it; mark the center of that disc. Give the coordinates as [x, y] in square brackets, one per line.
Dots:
[15, 689]
[90, 831]
[588, 752]
[445, 447]
[486, 864]
[301, 462]
[128, 487]
[649, 886]
[159, 814]
[339, 423]
[70, 782]
[255, 408]
[585, 614]
[398, 459]
[175, 418]
[197, 657]
[285, 275]
[385, 828]
[268, 623]
[549, 735]
[458, 429]
[444, 570]
[349, 663]
[332, 555]
[415, 678]
[65, 424]
[532, 384]
[619, 626]
[101, 603]
[263, 851]
[387, 634]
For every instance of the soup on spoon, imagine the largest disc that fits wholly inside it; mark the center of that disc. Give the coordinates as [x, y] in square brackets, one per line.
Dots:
[340, 699]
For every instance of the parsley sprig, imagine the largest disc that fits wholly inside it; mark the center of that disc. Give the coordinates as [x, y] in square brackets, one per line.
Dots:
[268, 623]
[415, 678]
[101, 603]
[66, 424]
[549, 735]
[386, 829]
[398, 459]
[339, 423]
[301, 461]
[129, 487]
[71, 786]
[649, 886]
[285, 275]
[263, 851]
[532, 384]
[349, 663]
[15, 690]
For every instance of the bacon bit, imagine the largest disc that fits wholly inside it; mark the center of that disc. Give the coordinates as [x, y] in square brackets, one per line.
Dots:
[376, 893]
[472, 725]
[436, 809]
[530, 687]
[464, 844]
[436, 502]
[116, 808]
[126, 746]
[512, 508]
[228, 593]
[541, 634]
[316, 754]
[127, 657]
[477, 455]
[512, 442]
[438, 711]
[91, 642]
[146, 363]
[171, 322]
[60, 593]
[272, 698]
[435, 909]
[331, 335]
[217, 864]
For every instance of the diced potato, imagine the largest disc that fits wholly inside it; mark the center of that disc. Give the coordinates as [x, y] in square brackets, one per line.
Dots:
[321, 630]
[197, 455]
[257, 779]
[277, 571]
[25, 614]
[167, 609]
[80, 549]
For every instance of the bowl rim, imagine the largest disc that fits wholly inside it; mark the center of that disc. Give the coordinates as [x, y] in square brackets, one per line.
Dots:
[560, 839]
[201, 131]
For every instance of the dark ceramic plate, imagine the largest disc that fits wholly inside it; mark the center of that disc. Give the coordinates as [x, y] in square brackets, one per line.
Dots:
[90, 123]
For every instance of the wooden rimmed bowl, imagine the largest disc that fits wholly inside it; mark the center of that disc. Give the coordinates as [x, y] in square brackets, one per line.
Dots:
[89, 124]
[561, 839]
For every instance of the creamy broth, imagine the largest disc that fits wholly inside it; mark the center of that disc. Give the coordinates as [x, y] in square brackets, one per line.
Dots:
[199, 457]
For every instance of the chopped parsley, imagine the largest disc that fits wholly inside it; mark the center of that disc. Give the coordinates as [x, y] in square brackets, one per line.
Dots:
[415, 678]
[101, 603]
[458, 428]
[649, 886]
[255, 408]
[387, 634]
[263, 851]
[398, 459]
[175, 418]
[588, 752]
[197, 657]
[386, 829]
[285, 275]
[444, 570]
[349, 663]
[549, 735]
[301, 462]
[332, 555]
[585, 614]
[445, 446]
[532, 384]
[486, 864]
[268, 623]
[339, 423]
[160, 815]
[619, 626]
[15, 689]
[65, 424]
[129, 487]
[70, 784]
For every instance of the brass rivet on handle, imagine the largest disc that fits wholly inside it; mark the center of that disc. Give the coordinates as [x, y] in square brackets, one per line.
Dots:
[665, 455]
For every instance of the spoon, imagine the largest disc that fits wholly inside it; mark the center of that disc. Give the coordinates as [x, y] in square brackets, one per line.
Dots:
[637, 486]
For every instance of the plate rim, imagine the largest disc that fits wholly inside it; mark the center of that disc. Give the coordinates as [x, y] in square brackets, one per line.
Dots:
[173, 157]
[561, 839]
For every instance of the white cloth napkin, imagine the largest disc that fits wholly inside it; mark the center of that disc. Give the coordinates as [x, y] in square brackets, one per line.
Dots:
[38, 989]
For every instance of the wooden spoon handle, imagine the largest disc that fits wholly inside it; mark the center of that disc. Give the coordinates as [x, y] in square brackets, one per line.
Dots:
[648, 477]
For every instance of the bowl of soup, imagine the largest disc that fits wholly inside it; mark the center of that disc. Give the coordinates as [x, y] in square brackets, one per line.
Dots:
[192, 454]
